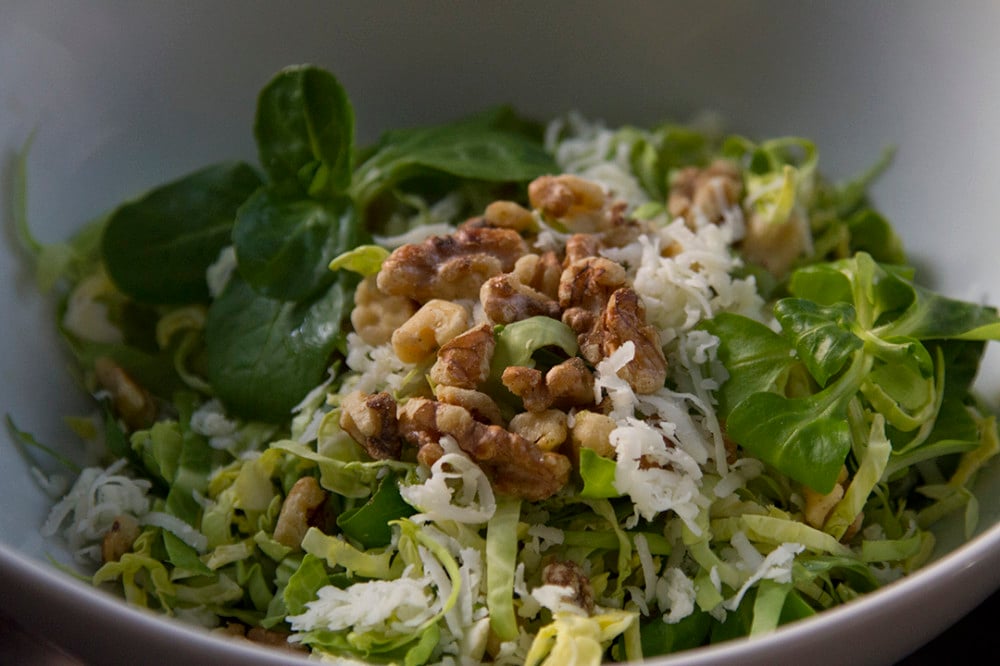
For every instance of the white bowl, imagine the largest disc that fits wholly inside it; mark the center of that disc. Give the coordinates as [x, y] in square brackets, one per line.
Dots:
[122, 96]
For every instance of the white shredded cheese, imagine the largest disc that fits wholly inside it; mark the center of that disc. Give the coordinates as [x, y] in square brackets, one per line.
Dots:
[457, 489]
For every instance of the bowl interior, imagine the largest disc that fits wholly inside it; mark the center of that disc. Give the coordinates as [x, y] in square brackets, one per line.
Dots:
[119, 97]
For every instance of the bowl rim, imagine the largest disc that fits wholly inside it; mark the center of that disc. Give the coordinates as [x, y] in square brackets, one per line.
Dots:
[979, 557]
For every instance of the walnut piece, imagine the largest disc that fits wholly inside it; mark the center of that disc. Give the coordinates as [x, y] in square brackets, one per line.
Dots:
[568, 384]
[451, 267]
[376, 315]
[776, 246]
[578, 203]
[464, 361]
[481, 406]
[506, 300]
[592, 430]
[541, 272]
[547, 430]
[514, 465]
[119, 538]
[509, 215]
[370, 419]
[707, 192]
[131, 401]
[435, 323]
[624, 320]
[569, 574]
[301, 509]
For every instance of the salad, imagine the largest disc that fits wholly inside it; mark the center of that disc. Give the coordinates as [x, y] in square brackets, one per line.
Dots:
[493, 391]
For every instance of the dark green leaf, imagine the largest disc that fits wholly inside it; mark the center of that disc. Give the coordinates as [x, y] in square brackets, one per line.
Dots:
[305, 130]
[157, 249]
[821, 335]
[471, 150]
[264, 355]
[659, 638]
[369, 523]
[757, 358]
[872, 233]
[284, 245]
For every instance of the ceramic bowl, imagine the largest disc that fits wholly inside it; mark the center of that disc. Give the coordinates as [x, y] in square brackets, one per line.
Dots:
[121, 96]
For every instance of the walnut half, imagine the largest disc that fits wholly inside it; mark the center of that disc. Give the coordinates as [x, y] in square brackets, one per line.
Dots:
[514, 465]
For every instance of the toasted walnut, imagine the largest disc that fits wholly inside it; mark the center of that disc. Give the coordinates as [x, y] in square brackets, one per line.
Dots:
[376, 315]
[624, 320]
[570, 574]
[272, 638]
[579, 204]
[302, 508]
[568, 384]
[434, 324]
[592, 430]
[510, 215]
[818, 505]
[119, 538]
[450, 267]
[370, 419]
[514, 465]
[505, 300]
[547, 430]
[586, 285]
[581, 246]
[482, 407]
[707, 192]
[776, 246]
[131, 402]
[464, 361]
[541, 272]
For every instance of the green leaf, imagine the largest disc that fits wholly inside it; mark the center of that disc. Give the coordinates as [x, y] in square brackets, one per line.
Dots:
[364, 260]
[157, 249]
[598, 474]
[660, 638]
[757, 358]
[872, 233]
[284, 244]
[501, 558]
[304, 129]
[474, 149]
[304, 584]
[821, 335]
[369, 523]
[183, 556]
[265, 355]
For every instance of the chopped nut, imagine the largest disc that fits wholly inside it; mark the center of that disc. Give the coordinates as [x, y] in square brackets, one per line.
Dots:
[818, 506]
[624, 320]
[776, 246]
[514, 465]
[547, 430]
[506, 300]
[376, 315]
[370, 419]
[592, 430]
[705, 192]
[588, 283]
[119, 538]
[434, 324]
[131, 401]
[481, 406]
[510, 215]
[541, 272]
[300, 510]
[450, 267]
[579, 204]
[570, 574]
[464, 361]
[568, 384]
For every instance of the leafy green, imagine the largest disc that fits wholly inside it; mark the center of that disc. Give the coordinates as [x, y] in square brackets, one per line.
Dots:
[265, 355]
[157, 249]
[501, 557]
[304, 129]
[284, 244]
[368, 524]
[860, 329]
